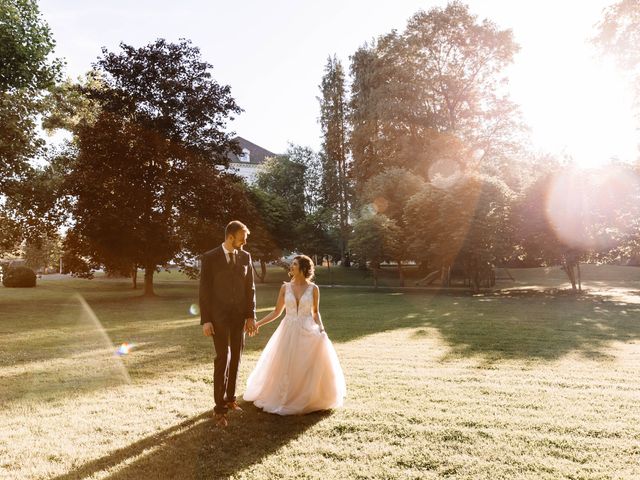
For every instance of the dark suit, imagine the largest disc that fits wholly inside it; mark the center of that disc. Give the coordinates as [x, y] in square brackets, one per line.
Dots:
[227, 298]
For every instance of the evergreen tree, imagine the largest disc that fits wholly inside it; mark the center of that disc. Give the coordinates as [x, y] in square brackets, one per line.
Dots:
[335, 181]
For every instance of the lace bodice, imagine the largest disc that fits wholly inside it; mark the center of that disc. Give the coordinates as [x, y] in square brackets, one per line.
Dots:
[302, 309]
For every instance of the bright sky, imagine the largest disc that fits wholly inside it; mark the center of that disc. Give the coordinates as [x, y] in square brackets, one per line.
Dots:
[273, 53]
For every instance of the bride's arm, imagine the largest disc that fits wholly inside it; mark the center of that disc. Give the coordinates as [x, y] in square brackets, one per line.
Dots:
[276, 311]
[316, 307]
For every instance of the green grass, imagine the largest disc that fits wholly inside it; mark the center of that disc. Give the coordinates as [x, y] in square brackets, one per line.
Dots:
[527, 382]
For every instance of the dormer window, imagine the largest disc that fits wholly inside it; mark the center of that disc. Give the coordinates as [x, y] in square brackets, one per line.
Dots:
[245, 156]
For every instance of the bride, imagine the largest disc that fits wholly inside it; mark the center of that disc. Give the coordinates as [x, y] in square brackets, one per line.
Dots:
[298, 371]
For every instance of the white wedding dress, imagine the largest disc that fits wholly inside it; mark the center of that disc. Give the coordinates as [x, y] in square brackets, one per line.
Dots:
[298, 371]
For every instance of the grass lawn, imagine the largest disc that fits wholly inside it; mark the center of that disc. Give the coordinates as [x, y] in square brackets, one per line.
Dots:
[526, 382]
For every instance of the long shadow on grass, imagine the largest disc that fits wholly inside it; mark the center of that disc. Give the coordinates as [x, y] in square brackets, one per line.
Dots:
[542, 324]
[197, 449]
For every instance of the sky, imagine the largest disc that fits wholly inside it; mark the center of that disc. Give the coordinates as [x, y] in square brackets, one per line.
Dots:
[273, 53]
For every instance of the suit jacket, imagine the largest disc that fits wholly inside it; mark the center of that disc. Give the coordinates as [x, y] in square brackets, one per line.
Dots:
[227, 291]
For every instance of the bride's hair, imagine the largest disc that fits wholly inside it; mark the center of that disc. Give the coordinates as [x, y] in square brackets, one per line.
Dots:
[306, 266]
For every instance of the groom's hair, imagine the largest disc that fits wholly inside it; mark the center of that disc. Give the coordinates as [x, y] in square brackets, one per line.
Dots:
[234, 227]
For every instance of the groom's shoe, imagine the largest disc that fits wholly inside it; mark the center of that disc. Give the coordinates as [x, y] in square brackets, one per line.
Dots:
[234, 406]
[221, 420]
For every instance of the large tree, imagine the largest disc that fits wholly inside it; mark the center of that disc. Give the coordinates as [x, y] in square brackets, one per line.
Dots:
[442, 75]
[333, 120]
[26, 73]
[143, 159]
[466, 224]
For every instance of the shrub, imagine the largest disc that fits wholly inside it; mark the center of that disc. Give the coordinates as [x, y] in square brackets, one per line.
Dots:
[21, 277]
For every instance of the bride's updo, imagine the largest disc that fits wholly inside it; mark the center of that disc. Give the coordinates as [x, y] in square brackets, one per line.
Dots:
[306, 266]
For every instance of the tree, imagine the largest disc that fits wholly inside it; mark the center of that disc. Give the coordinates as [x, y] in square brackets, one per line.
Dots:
[388, 193]
[313, 175]
[537, 225]
[269, 226]
[440, 76]
[26, 72]
[619, 33]
[376, 238]
[335, 179]
[482, 230]
[143, 160]
[43, 253]
[25, 46]
[466, 224]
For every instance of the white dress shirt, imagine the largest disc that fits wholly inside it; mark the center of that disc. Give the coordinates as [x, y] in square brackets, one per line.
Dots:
[228, 253]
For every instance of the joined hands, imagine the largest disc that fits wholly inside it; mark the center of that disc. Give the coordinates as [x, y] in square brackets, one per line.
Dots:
[251, 327]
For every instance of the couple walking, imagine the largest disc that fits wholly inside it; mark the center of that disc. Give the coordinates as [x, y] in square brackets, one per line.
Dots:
[298, 371]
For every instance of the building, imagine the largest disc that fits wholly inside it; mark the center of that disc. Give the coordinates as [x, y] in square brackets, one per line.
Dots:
[246, 164]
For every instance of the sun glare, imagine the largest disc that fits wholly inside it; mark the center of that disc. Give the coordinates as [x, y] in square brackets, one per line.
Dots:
[577, 200]
[587, 115]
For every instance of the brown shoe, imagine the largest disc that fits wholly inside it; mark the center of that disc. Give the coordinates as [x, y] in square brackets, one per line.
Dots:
[234, 406]
[221, 420]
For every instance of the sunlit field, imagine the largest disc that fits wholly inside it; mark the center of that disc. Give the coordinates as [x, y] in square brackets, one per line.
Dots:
[526, 382]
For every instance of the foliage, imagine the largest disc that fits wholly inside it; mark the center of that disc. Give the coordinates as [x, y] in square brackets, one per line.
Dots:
[619, 32]
[147, 155]
[25, 46]
[336, 186]
[43, 253]
[26, 72]
[18, 277]
[376, 238]
[441, 75]
[467, 224]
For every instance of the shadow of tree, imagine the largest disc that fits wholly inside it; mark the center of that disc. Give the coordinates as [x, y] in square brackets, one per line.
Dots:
[518, 323]
[544, 324]
[197, 449]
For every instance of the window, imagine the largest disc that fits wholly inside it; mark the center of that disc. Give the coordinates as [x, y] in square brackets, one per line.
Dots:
[245, 156]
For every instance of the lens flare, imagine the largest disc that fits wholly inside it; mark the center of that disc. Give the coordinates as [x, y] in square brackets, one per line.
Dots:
[587, 211]
[444, 173]
[368, 211]
[125, 348]
[194, 309]
[477, 154]
[380, 204]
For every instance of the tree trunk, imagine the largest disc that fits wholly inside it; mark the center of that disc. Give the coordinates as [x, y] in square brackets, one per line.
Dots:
[579, 277]
[257, 274]
[445, 279]
[476, 281]
[568, 268]
[375, 277]
[134, 277]
[423, 268]
[149, 270]
[400, 273]
[263, 271]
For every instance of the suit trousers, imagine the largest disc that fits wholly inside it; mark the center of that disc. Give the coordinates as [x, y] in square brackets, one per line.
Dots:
[228, 340]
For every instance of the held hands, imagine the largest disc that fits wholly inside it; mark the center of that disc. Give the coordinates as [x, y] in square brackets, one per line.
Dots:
[251, 327]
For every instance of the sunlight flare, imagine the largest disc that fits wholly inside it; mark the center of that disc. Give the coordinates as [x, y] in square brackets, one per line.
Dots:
[584, 208]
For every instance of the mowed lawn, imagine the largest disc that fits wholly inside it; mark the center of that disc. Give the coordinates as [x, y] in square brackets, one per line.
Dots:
[526, 382]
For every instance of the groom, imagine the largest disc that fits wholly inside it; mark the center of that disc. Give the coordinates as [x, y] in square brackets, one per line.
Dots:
[227, 311]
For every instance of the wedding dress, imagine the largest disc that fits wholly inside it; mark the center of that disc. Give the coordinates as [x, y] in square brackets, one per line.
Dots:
[298, 371]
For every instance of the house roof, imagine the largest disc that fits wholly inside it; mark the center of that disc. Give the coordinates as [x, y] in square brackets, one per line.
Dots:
[257, 153]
